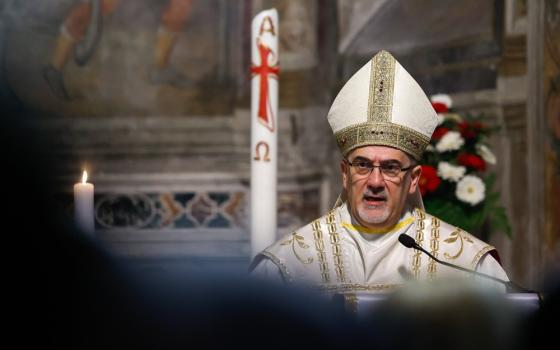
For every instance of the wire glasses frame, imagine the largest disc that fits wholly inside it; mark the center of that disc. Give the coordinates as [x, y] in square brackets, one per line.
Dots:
[365, 168]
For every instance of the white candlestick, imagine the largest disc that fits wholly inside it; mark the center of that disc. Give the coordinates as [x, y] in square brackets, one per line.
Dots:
[83, 205]
[264, 129]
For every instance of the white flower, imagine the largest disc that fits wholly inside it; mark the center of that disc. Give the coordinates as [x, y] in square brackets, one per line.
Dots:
[442, 98]
[471, 190]
[485, 153]
[451, 141]
[430, 148]
[450, 172]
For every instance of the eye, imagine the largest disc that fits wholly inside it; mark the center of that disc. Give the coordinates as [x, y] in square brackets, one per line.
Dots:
[363, 164]
[391, 168]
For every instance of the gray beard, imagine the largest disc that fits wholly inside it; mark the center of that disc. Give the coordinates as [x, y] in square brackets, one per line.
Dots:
[371, 218]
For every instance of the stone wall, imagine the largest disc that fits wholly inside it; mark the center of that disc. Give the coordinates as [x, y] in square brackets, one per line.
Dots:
[170, 163]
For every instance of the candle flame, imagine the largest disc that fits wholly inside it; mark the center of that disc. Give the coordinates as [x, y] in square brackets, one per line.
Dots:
[84, 177]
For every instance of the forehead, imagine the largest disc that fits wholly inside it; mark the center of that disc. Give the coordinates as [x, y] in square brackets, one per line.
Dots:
[378, 153]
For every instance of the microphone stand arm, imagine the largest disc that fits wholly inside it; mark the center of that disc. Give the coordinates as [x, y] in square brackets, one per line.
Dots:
[511, 286]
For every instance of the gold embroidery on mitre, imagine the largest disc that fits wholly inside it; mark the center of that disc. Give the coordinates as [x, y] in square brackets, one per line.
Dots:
[382, 134]
[381, 85]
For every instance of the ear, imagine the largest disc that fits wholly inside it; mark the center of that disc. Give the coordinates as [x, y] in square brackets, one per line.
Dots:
[415, 174]
[343, 170]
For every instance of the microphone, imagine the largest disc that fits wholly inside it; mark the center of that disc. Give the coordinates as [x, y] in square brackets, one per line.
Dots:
[409, 242]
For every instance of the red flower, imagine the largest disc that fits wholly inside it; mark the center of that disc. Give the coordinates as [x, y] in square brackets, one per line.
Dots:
[472, 161]
[440, 107]
[429, 181]
[470, 130]
[439, 132]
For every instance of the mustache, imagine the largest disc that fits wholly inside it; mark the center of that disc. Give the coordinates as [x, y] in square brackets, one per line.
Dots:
[375, 193]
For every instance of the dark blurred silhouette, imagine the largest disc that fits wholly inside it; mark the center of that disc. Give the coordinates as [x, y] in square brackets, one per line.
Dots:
[447, 314]
[71, 293]
[540, 328]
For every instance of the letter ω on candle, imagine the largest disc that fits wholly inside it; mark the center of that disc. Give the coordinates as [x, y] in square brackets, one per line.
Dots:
[83, 205]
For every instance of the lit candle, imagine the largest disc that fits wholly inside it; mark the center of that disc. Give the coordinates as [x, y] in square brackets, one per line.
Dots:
[83, 205]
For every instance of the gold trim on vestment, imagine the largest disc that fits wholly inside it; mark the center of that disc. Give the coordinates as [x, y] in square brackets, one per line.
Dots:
[348, 287]
[320, 247]
[281, 266]
[351, 303]
[457, 234]
[382, 134]
[301, 243]
[479, 255]
[336, 249]
[434, 247]
[416, 256]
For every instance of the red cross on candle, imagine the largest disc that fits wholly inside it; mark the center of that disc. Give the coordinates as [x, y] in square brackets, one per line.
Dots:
[264, 70]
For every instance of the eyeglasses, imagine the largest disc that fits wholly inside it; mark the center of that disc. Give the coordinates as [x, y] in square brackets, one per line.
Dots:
[388, 169]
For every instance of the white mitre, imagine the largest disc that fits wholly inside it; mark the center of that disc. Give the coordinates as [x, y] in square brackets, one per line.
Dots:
[383, 105]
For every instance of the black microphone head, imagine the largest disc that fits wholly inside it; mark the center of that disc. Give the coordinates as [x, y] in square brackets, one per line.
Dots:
[407, 241]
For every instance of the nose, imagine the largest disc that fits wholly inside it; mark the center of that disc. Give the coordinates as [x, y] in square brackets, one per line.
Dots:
[375, 178]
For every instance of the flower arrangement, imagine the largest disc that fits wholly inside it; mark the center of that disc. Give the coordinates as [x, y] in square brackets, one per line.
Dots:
[456, 185]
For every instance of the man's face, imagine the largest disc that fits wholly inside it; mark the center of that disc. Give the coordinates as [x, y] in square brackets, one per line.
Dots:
[377, 200]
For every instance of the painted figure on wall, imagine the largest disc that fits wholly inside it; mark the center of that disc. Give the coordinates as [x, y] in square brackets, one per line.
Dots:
[108, 58]
[80, 32]
[298, 38]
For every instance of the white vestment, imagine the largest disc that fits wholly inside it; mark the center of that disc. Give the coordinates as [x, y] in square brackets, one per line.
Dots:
[334, 253]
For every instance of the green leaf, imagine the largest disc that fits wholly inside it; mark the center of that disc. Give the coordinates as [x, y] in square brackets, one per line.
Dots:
[490, 180]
